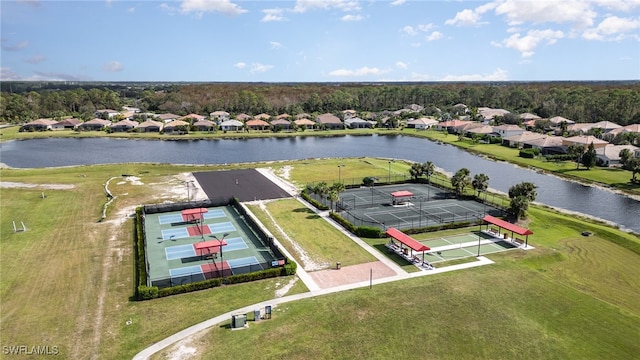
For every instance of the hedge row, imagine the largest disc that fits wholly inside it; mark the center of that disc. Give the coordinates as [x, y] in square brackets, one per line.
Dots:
[361, 231]
[140, 256]
[313, 201]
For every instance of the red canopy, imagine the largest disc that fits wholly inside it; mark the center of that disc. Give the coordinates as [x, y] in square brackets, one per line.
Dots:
[507, 225]
[193, 214]
[407, 240]
[401, 193]
[208, 247]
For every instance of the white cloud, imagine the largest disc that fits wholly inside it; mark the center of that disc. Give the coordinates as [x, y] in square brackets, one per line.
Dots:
[436, 35]
[577, 12]
[420, 77]
[131, 10]
[6, 74]
[113, 66]
[259, 68]
[272, 15]
[471, 17]
[302, 6]
[14, 47]
[275, 45]
[526, 44]
[363, 71]
[240, 65]
[498, 75]
[426, 27]
[397, 2]
[409, 30]
[401, 65]
[352, 18]
[619, 5]
[612, 28]
[199, 7]
[36, 59]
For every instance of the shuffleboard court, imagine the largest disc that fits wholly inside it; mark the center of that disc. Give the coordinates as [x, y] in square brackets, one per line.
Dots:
[180, 252]
[246, 261]
[214, 214]
[221, 227]
[170, 219]
[179, 233]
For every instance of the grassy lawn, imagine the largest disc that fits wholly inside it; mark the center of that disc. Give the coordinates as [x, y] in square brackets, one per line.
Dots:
[321, 242]
[67, 281]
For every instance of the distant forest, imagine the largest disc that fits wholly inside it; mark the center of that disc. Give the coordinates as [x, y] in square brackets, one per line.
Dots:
[584, 102]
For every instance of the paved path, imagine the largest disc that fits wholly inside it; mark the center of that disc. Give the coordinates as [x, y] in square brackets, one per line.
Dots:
[314, 289]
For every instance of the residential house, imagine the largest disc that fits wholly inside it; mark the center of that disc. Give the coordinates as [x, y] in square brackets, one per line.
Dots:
[305, 124]
[66, 124]
[150, 126]
[348, 114]
[466, 126]
[489, 113]
[108, 113]
[414, 107]
[95, 124]
[168, 117]
[479, 130]
[606, 126]
[547, 144]
[176, 126]
[579, 128]
[529, 117]
[609, 155]
[257, 124]
[517, 141]
[123, 126]
[283, 116]
[219, 116]
[329, 121]
[507, 130]
[38, 125]
[191, 118]
[459, 109]
[281, 124]
[584, 141]
[303, 116]
[263, 116]
[231, 125]
[422, 123]
[204, 125]
[243, 117]
[557, 120]
[451, 125]
[633, 128]
[357, 123]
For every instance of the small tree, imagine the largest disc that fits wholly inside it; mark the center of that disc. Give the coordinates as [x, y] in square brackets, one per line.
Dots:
[631, 163]
[589, 157]
[521, 195]
[480, 183]
[368, 181]
[415, 171]
[575, 151]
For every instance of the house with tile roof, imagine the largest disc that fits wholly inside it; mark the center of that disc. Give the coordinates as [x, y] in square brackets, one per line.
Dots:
[67, 124]
[204, 125]
[176, 126]
[357, 123]
[243, 117]
[548, 144]
[517, 141]
[231, 125]
[123, 126]
[38, 125]
[609, 155]
[95, 124]
[422, 123]
[167, 117]
[506, 130]
[281, 124]
[257, 124]
[329, 121]
[584, 140]
[150, 126]
[219, 116]
[304, 123]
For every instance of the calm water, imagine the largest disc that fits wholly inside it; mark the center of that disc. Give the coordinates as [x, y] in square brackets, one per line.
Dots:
[552, 191]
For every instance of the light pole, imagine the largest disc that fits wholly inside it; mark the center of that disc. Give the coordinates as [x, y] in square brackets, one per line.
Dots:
[221, 259]
[389, 180]
[339, 166]
[188, 183]
[479, 233]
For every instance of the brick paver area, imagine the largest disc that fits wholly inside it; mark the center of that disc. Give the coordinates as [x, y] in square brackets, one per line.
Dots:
[351, 274]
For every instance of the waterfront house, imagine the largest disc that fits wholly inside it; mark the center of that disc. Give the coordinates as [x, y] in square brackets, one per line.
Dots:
[123, 126]
[95, 124]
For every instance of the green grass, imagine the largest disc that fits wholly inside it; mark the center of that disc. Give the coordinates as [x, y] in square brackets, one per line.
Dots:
[321, 242]
[67, 281]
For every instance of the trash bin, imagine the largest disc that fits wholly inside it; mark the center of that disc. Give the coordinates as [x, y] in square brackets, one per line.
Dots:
[338, 265]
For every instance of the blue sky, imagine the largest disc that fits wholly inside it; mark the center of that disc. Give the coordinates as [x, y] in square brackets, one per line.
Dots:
[320, 40]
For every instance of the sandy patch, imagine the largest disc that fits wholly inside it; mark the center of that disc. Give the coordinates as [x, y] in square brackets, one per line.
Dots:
[351, 274]
[285, 289]
[9, 184]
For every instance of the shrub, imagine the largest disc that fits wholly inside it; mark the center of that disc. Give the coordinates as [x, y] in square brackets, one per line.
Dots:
[369, 232]
[529, 153]
[147, 292]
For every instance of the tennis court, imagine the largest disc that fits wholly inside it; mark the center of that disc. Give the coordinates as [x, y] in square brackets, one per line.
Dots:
[406, 206]
[175, 253]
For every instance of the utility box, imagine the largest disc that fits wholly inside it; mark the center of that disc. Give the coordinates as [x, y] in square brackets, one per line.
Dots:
[256, 315]
[267, 312]
[338, 265]
[238, 321]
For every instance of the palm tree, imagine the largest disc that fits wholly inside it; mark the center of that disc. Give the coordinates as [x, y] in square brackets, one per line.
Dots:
[460, 181]
[415, 171]
[321, 189]
[521, 195]
[428, 169]
[480, 183]
[575, 151]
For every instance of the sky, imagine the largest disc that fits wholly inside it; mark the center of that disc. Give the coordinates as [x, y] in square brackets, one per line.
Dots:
[320, 40]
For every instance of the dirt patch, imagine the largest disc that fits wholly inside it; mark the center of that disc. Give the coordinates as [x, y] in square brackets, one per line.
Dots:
[351, 274]
[8, 184]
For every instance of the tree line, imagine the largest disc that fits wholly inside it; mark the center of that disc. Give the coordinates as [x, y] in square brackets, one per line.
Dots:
[581, 102]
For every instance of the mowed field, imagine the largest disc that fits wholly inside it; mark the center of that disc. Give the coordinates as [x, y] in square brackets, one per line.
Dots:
[66, 282]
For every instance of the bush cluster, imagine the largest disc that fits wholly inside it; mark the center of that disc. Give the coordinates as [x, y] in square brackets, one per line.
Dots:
[313, 201]
[529, 153]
